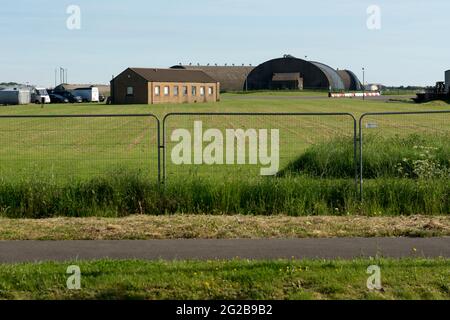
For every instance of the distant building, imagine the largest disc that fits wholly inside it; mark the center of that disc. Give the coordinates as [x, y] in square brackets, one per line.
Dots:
[152, 86]
[374, 87]
[291, 73]
[351, 81]
[447, 81]
[231, 78]
[287, 80]
[286, 73]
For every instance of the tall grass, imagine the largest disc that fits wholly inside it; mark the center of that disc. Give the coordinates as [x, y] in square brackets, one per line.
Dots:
[127, 194]
[403, 176]
[396, 156]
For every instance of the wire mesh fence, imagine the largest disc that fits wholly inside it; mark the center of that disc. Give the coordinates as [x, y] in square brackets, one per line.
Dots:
[399, 146]
[412, 148]
[249, 145]
[78, 147]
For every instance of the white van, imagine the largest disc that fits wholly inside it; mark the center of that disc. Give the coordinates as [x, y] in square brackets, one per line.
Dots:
[91, 94]
[40, 94]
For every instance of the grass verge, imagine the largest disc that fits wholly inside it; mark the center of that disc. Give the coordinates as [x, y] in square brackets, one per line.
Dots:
[124, 195]
[142, 227]
[237, 279]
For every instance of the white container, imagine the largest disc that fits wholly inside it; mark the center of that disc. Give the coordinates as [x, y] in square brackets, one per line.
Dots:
[15, 96]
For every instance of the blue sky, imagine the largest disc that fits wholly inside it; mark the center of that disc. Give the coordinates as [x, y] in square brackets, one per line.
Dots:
[411, 48]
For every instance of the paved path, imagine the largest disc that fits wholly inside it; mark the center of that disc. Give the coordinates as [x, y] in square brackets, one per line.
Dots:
[345, 248]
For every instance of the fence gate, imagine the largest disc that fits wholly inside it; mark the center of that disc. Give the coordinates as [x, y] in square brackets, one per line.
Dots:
[248, 145]
[402, 145]
[79, 147]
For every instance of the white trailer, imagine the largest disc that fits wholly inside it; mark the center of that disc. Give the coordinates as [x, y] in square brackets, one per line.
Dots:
[15, 96]
[91, 94]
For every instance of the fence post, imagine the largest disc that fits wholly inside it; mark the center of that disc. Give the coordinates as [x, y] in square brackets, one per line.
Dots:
[158, 135]
[361, 164]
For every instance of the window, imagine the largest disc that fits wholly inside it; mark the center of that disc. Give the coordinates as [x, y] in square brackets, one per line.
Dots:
[194, 91]
[166, 91]
[130, 91]
[210, 91]
[185, 91]
[202, 91]
[175, 91]
[157, 90]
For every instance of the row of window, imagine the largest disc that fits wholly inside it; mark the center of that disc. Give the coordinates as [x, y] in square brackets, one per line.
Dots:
[184, 91]
[176, 91]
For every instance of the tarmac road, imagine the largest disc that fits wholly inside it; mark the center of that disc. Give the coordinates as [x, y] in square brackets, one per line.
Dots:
[344, 248]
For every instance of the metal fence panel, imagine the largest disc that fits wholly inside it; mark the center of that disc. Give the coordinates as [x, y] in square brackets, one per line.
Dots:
[402, 145]
[79, 147]
[207, 144]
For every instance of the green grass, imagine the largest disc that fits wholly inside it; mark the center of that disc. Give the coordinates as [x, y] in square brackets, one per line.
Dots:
[108, 167]
[403, 156]
[83, 148]
[127, 194]
[237, 279]
[399, 92]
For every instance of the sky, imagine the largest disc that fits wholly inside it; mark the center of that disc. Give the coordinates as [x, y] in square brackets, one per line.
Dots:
[411, 46]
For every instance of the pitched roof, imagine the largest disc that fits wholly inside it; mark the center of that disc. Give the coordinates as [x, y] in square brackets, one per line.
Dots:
[231, 78]
[173, 75]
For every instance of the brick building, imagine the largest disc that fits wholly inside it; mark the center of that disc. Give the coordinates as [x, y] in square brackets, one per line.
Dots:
[152, 86]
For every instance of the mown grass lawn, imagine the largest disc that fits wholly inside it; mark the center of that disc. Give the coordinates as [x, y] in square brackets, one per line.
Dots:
[238, 279]
[86, 147]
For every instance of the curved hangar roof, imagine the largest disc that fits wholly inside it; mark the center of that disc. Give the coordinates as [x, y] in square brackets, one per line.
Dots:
[315, 75]
[231, 78]
[351, 81]
[333, 76]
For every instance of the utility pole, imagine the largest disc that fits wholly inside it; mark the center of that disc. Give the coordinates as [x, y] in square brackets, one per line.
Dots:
[63, 75]
[364, 83]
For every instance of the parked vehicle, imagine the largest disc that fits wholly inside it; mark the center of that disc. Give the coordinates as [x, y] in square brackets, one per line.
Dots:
[102, 98]
[56, 98]
[15, 96]
[71, 97]
[39, 95]
[88, 94]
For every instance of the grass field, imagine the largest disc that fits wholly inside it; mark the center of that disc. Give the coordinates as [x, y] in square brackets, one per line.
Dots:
[109, 166]
[86, 147]
[219, 280]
